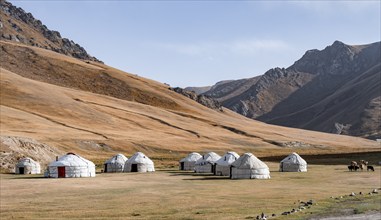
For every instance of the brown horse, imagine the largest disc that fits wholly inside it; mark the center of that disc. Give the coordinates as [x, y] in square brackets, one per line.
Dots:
[363, 164]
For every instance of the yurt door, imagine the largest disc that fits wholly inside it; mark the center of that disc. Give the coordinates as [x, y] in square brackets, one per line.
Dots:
[182, 165]
[21, 170]
[134, 168]
[61, 172]
[105, 168]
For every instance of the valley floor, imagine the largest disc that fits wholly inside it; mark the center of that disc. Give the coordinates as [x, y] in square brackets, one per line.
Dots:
[171, 194]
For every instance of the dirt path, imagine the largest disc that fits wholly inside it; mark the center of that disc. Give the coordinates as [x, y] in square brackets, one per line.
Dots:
[368, 216]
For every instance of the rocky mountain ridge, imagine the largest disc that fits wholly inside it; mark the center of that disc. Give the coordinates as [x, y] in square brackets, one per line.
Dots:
[202, 99]
[19, 26]
[301, 94]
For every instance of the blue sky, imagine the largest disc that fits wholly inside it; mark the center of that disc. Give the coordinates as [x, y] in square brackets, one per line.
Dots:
[197, 43]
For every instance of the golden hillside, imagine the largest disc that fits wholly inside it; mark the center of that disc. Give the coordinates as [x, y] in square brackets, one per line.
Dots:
[95, 110]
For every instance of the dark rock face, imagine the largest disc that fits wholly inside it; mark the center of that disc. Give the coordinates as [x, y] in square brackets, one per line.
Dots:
[334, 90]
[335, 59]
[35, 33]
[202, 99]
[228, 89]
[269, 89]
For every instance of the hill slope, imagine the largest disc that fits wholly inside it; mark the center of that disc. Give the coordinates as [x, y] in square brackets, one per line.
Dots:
[334, 90]
[95, 121]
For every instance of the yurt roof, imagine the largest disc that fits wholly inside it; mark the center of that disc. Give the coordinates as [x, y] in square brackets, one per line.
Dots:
[118, 158]
[139, 158]
[70, 160]
[209, 157]
[227, 159]
[294, 158]
[26, 161]
[191, 157]
[249, 161]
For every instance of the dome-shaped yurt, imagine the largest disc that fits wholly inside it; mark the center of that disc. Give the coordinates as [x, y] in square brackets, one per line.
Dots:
[139, 163]
[223, 164]
[249, 166]
[188, 162]
[115, 164]
[293, 163]
[206, 163]
[27, 166]
[71, 165]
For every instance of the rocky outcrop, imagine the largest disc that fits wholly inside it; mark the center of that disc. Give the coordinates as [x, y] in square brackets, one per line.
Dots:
[20, 26]
[13, 148]
[202, 99]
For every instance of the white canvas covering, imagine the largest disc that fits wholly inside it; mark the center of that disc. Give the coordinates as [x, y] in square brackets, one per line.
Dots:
[293, 163]
[115, 164]
[223, 164]
[27, 166]
[249, 166]
[139, 163]
[188, 162]
[206, 163]
[71, 165]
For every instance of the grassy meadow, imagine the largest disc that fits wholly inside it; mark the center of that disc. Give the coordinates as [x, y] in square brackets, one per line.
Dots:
[172, 194]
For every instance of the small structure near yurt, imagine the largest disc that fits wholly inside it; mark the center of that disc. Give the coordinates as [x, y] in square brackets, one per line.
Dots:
[115, 164]
[249, 166]
[206, 163]
[189, 161]
[223, 164]
[71, 165]
[139, 163]
[27, 166]
[293, 163]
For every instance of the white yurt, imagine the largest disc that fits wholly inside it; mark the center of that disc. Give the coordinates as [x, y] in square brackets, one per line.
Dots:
[115, 164]
[188, 162]
[139, 163]
[71, 165]
[223, 164]
[27, 166]
[293, 163]
[206, 163]
[249, 166]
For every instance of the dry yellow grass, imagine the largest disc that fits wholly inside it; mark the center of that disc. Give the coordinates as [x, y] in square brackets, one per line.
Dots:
[175, 195]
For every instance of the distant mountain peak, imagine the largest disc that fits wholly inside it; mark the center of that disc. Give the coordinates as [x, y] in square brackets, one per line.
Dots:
[339, 47]
[338, 86]
[21, 27]
[336, 58]
[338, 44]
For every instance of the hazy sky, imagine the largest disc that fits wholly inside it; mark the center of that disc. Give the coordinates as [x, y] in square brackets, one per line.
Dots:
[196, 43]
